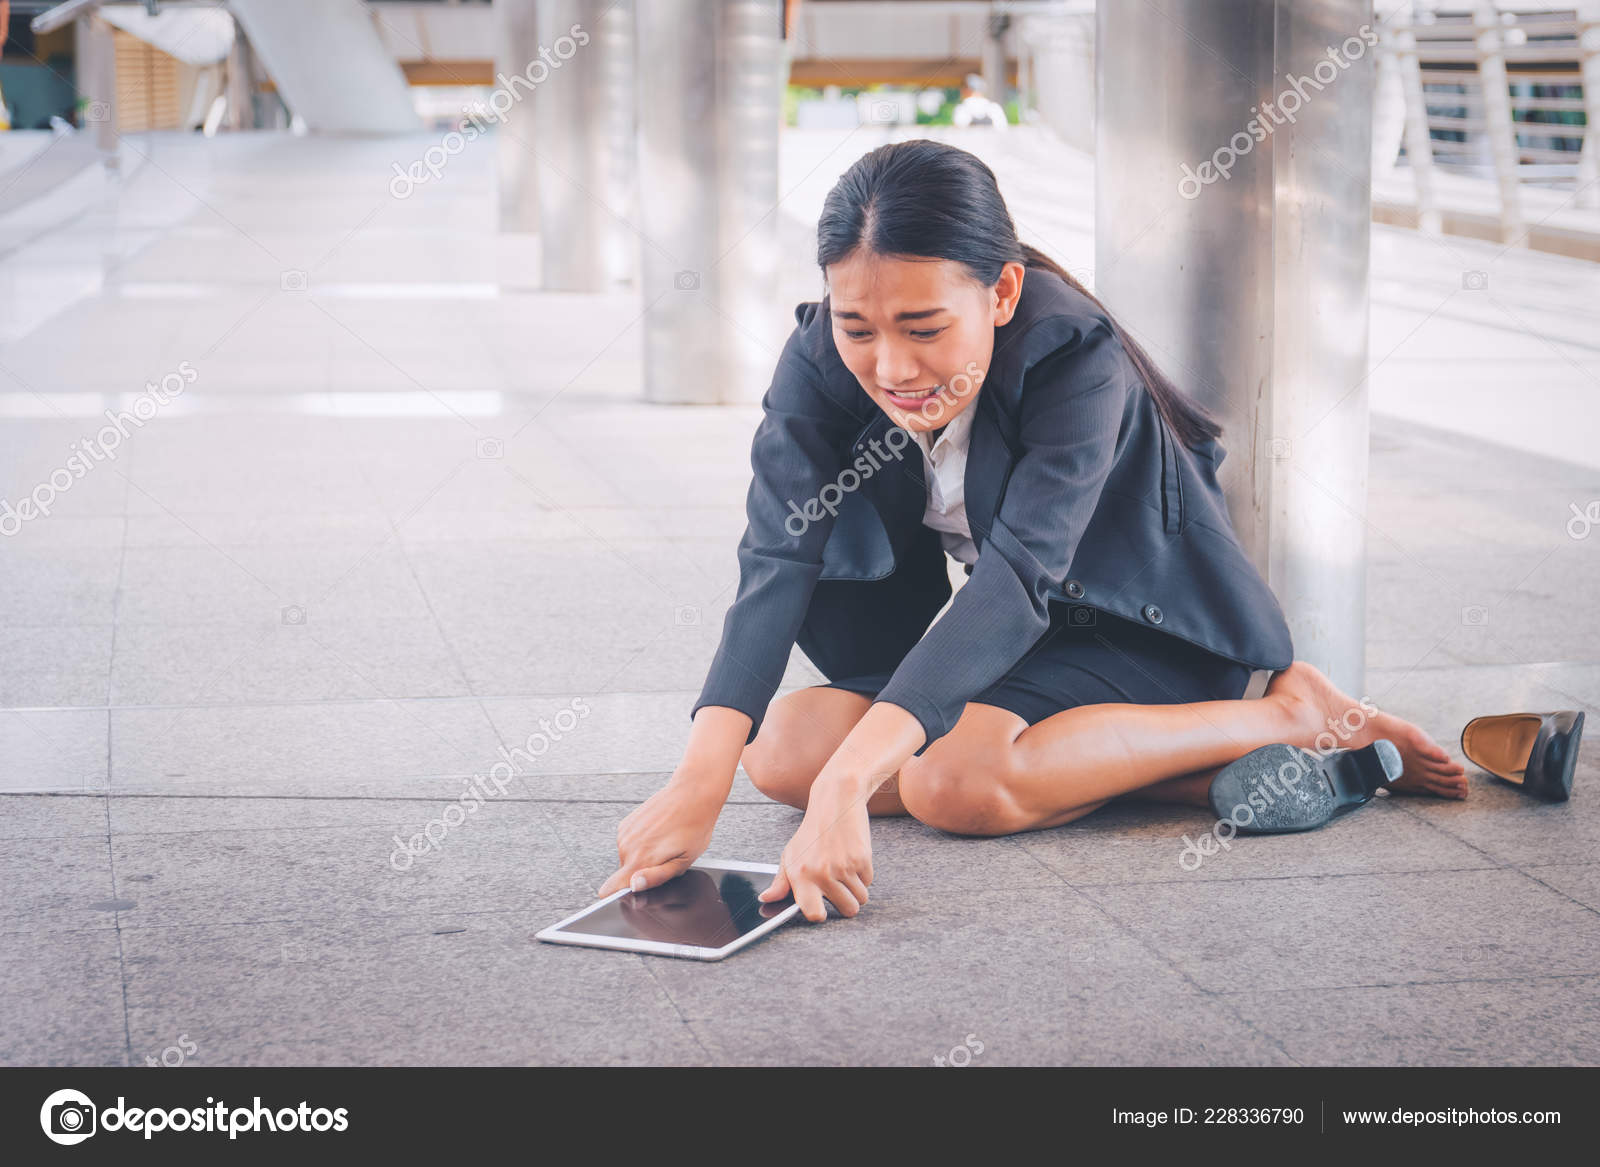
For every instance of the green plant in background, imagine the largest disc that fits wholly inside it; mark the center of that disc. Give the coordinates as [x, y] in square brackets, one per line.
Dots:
[793, 95]
[941, 117]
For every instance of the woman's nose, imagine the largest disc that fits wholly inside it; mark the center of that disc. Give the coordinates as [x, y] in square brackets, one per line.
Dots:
[894, 368]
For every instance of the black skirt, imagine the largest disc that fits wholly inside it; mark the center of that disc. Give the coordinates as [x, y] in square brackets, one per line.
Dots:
[1090, 657]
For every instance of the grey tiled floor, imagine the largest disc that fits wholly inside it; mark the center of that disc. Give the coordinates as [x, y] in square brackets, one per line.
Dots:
[299, 608]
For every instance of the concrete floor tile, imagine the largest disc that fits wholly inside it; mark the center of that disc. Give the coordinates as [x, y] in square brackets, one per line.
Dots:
[52, 816]
[1581, 881]
[68, 665]
[55, 586]
[57, 885]
[233, 585]
[1080, 991]
[431, 989]
[270, 660]
[71, 984]
[318, 748]
[1256, 936]
[61, 750]
[1151, 843]
[1541, 1022]
[495, 858]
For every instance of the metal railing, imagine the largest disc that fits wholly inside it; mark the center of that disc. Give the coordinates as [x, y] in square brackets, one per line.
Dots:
[1510, 97]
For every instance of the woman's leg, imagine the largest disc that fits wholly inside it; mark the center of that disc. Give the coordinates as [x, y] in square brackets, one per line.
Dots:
[798, 735]
[993, 774]
[1188, 789]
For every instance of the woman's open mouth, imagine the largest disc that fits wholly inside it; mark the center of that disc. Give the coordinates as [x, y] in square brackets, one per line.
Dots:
[910, 399]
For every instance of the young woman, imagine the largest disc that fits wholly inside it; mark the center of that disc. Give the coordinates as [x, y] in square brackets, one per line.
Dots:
[956, 392]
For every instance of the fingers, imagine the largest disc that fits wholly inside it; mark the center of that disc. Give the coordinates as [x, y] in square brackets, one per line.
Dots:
[648, 877]
[777, 889]
[842, 898]
[810, 894]
[856, 886]
[809, 897]
[618, 879]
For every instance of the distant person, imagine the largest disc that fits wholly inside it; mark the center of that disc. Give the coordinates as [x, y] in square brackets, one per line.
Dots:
[975, 108]
[957, 393]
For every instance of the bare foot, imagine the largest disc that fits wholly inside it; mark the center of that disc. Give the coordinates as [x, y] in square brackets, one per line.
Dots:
[1330, 719]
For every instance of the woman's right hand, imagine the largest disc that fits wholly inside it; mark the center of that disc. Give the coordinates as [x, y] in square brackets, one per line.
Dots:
[664, 834]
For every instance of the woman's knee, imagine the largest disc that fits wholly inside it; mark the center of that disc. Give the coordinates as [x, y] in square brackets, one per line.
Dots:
[955, 792]
[777, 760]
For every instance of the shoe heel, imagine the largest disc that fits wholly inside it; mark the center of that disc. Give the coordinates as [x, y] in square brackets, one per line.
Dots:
[1356, 775]
[1560, 761]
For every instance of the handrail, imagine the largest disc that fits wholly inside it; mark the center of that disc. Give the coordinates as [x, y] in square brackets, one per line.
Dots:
[53, 18]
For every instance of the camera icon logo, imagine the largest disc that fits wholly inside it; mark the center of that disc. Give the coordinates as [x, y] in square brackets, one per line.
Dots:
[686, 281]
[491, 448]
[293, 614]
[68, 1117]
[292, 281]
[1475, 281]
[1474, 615]
[97, 111]
[685, 615]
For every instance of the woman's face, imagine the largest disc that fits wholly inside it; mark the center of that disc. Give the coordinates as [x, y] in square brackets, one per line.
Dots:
[908, 328]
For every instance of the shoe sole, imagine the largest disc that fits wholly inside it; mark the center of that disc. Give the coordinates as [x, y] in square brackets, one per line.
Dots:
[1278, 789]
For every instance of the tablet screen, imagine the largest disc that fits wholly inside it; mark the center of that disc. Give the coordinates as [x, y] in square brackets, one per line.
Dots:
[705, 908]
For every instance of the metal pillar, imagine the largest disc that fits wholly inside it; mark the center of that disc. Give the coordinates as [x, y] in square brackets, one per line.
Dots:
[1496, 91]
[1244, 272]
[614, 140]
[750, 108]
[709, 76]
[516, 44]
[1589, 159]
[573, 137]
[993, 59]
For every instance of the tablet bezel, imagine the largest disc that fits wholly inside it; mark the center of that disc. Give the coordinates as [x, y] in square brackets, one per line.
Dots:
[558, 934]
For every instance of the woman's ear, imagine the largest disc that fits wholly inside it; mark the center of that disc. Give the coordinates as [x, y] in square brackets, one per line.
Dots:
[1007, 291]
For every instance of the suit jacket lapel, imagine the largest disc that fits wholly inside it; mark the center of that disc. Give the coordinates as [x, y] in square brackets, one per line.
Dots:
[988, 467]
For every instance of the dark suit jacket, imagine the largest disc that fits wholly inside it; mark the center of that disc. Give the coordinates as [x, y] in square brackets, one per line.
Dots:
[1076, 491]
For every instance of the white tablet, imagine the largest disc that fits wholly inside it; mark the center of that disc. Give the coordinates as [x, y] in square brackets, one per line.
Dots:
[703, 914]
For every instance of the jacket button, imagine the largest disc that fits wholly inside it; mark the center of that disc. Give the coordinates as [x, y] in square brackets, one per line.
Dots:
[1152, 613]
[1074, 589]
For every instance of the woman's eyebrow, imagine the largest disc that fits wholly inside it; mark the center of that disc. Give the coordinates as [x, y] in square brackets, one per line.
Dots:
[923, 314]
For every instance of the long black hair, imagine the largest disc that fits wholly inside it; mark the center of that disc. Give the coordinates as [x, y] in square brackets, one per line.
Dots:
[931, 200]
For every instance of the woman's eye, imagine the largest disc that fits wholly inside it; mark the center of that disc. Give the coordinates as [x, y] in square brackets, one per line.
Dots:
[927, 333]
[857, 335]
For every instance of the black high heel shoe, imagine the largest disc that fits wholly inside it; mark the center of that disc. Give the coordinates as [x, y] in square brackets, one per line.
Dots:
[1281, 788]
[1536, 751]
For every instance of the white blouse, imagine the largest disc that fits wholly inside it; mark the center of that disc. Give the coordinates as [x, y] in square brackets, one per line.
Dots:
[946, 465]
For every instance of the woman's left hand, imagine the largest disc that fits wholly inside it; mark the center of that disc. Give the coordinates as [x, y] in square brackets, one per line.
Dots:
[829, 857]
